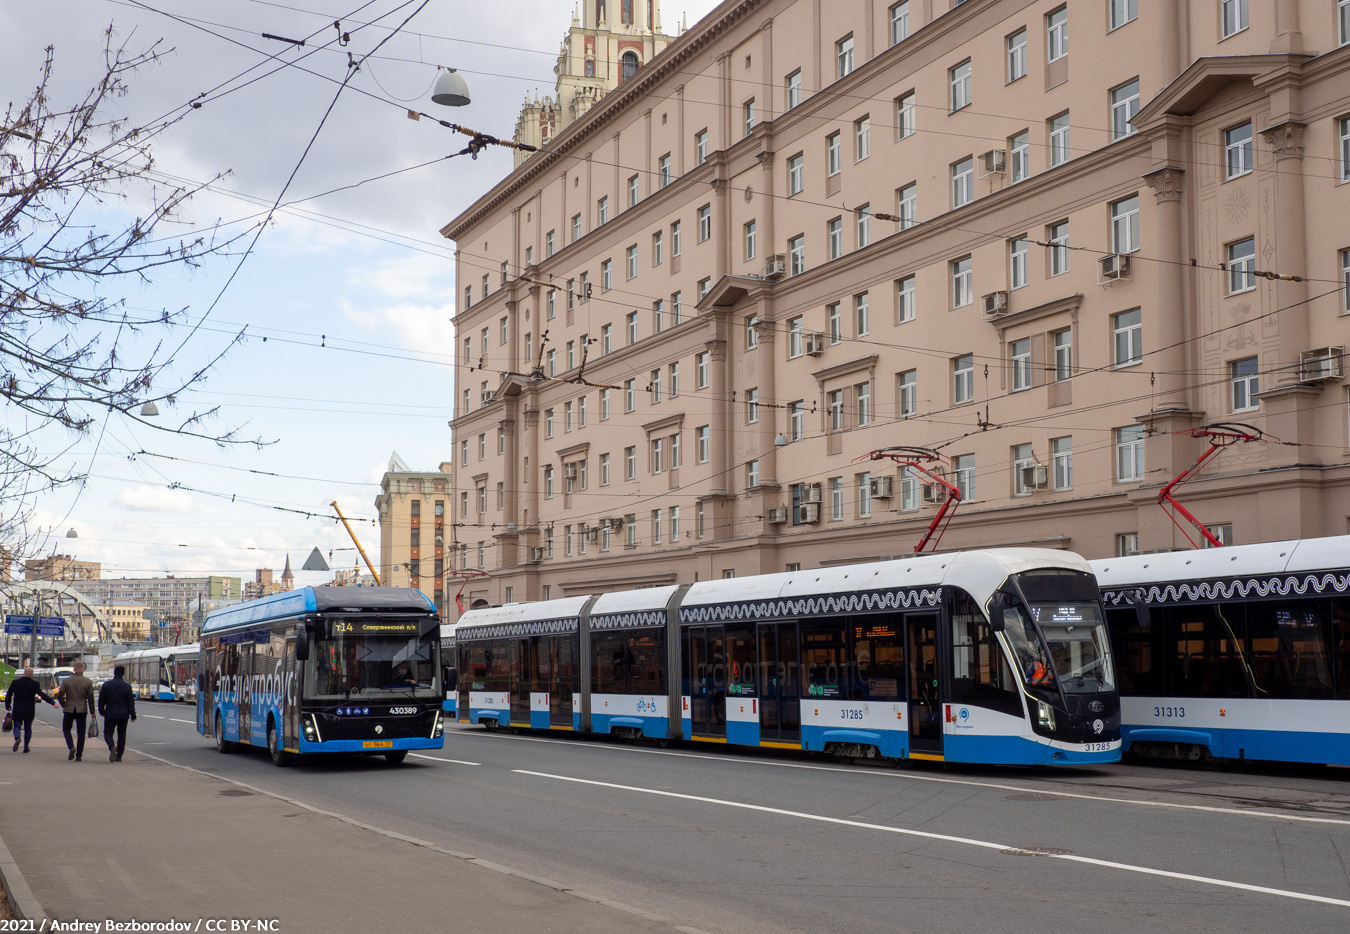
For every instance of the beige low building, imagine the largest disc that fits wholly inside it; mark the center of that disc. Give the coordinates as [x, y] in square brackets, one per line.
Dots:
[130, 621]
[810, 230]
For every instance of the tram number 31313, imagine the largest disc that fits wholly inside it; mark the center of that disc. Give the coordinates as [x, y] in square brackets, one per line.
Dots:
[1169, 711]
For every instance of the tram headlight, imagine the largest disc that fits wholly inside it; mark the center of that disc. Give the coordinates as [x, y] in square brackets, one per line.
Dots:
[1045, 715]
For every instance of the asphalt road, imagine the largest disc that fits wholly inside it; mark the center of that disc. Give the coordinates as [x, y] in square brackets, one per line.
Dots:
[749, 842]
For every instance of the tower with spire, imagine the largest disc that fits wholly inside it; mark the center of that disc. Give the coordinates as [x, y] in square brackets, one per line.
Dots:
[287, 578]
[608, 42]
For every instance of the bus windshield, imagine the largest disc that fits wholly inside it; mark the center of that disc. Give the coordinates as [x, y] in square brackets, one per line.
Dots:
[1079, 646]
[362, 663]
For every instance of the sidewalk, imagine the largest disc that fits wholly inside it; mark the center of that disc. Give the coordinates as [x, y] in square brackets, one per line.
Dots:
[156, 842]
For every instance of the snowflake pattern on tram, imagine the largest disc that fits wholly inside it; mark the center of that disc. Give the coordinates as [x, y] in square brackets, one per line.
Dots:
[645, 618]
[1299, 585]
[543, 627]
[875, 601]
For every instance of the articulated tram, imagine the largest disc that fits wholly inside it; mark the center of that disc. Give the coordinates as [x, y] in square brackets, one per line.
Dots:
[983, 656]
[1243, 653]
[166, 673]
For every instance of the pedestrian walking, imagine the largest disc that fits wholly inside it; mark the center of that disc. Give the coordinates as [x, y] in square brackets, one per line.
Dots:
[21, 698]
[76, 695]
[116, 705]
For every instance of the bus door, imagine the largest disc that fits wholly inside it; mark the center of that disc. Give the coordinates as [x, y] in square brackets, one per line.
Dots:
[925, 702]
[780, 714]
[290, 696]
[707, 680]
[520, 681]
[208, 670]
[562, 680]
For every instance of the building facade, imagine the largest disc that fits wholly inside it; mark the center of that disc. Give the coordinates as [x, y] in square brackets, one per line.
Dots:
[809, 231]
[174, 600]
[61, 568]
[131, 622]
[415, 510]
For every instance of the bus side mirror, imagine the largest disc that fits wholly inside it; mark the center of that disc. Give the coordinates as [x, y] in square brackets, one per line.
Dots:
[997, 603]
[450, 679]
[302, 644]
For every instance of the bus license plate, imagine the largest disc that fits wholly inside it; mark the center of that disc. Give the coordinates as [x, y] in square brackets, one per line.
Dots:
[378, 744]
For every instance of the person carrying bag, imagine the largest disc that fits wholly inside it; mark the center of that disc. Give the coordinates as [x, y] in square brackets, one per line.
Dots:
[76, 695]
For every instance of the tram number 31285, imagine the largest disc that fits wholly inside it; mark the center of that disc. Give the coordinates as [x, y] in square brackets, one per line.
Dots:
[1169, 711]
[850, 714]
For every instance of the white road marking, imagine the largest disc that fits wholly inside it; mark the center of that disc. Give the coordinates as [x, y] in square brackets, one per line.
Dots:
[151, 716]
[176, 720]
[1054, 789]
[947, 838]
[418, 755]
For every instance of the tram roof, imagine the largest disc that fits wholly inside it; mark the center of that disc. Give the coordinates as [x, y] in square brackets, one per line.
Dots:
[564, 608]
[1231, 561]
[633, 601]
[318, 600]
[160, 651]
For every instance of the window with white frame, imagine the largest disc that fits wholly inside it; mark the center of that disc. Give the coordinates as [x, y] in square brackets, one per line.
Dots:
[576, 227]
[1125, 225]
[1245, 383]
[899, 22]
[862, 402]
[676, 238]
[1022, 456]
[1059, 139]
[656, 526]
[1237, 150]
[1127, 544]
[702, 444]
[796, 421]
[1124, 107]
[1017, 55]
[909, 490]
[630, 530]
[1342, 22]
[834, 238]
[843, 56]
[1233, 16]
[675, 451]
[862, 318]
[630, 395]
[833, 156]
[864, 495]
[796, 334]
[1120, 12]
[1345, 281]
[658, 316]
[1021, 364]
[748, 113]
[581, 412]
[548, 423]
[1019, 157]
[1059, 248]
[631, 326]
[604, 404]
[1242, 266]
[630, 462]
[704, 223]
[905, 299]
[963, 475]
[674, 379]
[904, 115]
[963, 182]
[634, 189]
[963, 379]
[751, 332]
[606, 275]
[1019, 250]
[752, 474]
[602, 210]
[663, 170]
[700, 147]
[862, 138]
[701, 370]
[797, 255]
[834, 322]
[958, 77]
[604, 470]
[862, 223]
[549, 248]
[836, 499]
[749, 236]
[1127, 333]
[1061, 463]
[548, 482]
[834, 402]
[751, 406]
[796, 174]
[1129, 453]
[654, 384]
[1057, 34]
[674, 524]
[552, 363]
[907, 393]
[793, 88]
[963, 283]
[1062, 341]
[632, 261]
[658, 248]
[699, 515]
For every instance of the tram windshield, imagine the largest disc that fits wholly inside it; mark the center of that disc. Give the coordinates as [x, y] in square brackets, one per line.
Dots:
[1067, 644]
[350, 664]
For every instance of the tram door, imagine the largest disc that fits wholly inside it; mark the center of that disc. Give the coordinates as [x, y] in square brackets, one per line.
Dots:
[562, 681]
[780, 714]
[706, 652]
[520, 681]
[925, 707]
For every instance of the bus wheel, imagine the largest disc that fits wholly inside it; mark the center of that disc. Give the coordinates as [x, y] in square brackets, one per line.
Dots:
[395, 757]
[222, 744]
[275, 748]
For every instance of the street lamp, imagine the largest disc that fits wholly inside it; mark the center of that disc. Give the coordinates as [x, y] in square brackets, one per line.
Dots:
[450, 89]
[149, 409]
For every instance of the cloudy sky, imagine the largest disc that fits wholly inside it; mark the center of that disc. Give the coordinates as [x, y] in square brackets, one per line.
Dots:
[344, 302]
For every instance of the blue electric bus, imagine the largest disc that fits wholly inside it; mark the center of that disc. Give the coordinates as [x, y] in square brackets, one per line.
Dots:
[323, 669]
[994, 657]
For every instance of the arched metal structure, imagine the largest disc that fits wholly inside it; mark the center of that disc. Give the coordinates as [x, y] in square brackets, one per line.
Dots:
[85, 622]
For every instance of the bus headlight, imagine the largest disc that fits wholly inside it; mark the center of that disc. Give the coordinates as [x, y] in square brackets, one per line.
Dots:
[311, 728]
[438, 729]
[1045, 716]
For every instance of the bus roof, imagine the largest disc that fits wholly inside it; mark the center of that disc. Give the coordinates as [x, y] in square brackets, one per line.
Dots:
[308, 600]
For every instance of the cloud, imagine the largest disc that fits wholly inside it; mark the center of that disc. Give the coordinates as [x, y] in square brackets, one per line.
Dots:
[155, 499]
[415, 327]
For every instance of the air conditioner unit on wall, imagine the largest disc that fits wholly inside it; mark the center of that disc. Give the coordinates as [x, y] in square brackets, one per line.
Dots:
[592, 535]
[811, 493]
[775, 266]
[537, 553]
[995, 305]
[808, 513]
[815, 344]
[1320, 364]
[1113, 267]
[994, 160]
[569, 471]
[1033, 477]
[880, 487]
[933, 494]
[778, 515]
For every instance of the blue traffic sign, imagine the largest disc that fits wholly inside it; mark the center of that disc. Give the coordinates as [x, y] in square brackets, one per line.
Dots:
[18, 625]
[51, 625]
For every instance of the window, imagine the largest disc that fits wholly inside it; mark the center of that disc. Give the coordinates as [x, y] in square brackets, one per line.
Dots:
[501, 442]
[907, 393]
[674, 524]
[503, 330]
[904, 115]
[1021, 364]
[606, 275]
[1059, 250]
[963, 182]
[1129, 453]
[576, 227]
[1057, 34]
[701, 370]
[1061, 463]
[751, 406]
[674, 379]
[793, 89]
[963, 291]
[796, 421]
[862, 138]
[632, 327]
[702, 444]
[581, 412]
[658, 316]
[487, 286]
[1063, 345]
[1017, 55]
[832, 155]
[549, 244]
[630, 530]
[963, 379]
[631, 261]
[834, 319]
[1124, 106]
[1018, 255]
[862, 222]
[1059, 139]
[482, 445]
[899, 22]
[634, 190]
[862, 318]
[1245, 383]
[908, 205]
[864, 495]
[834, 238]
[552, 363]
[654, 385]
[629, 395]
[1343, 21]
[571, 354]
[752, 474]
[796, 333]
[836, 498]
[862, 399]
[548, 482]
[602, 210]
[751, 332]
[797, 255]
[675, 238]
[1241, 266]
[963, 475]
[663, 170]
[835, 402]
[704, 222]
[658, 447]
[1345, 279]
[748, 111]
[604, 404]
[959, 79]
[630, 462]
[658, 248]
[1234, 16]
[1237, 150]
[1022, 456]
[795, 174]
[1128, 336]
[1127, 543]
[1120, 12]
[843, 54]
[698, 520]
[548, 423]
[749, 231]
[1125, 225]
[700, 147]
[905, 299]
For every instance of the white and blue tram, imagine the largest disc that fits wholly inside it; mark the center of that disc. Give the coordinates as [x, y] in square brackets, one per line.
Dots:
[448, 671]
[165, 673]
[993, 657]
[1244, 652]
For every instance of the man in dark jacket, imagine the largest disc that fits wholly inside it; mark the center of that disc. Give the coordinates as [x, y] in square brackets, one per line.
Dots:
[22, 699]
[116, 704]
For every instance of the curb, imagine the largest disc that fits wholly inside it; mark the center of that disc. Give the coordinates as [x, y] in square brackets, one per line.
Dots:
[21, 898]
